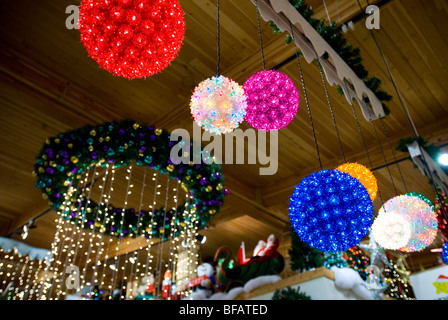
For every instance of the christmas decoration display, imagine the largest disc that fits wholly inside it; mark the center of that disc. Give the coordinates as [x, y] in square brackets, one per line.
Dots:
[397, 278]
[272, 100]
[330, 210]
[132, 38]
[218, 105]
[76, 172]
[391, 231]
[21, 270]
[145, 288]
[419, 214]
[445, 252]
[350, 280]
[302, 256]
[65, 157]
[206, 281]
[289, 293]
[230, 275]
[364, 175]
[441, 208]
[377, 253]
[375, 282]
[335, 259]
[358, 261]
[166, 284]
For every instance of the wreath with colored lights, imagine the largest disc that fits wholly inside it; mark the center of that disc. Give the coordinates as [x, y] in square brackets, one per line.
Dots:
[65, 157]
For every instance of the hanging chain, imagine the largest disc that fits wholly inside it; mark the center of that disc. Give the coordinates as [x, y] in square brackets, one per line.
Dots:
[331, 108]
[306, 97]
[260, 36]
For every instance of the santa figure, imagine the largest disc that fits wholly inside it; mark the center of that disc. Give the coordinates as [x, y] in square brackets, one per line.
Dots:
[264, 248]
[166, 285]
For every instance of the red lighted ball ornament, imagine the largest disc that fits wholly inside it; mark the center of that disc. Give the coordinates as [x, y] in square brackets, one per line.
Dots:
[132, 38]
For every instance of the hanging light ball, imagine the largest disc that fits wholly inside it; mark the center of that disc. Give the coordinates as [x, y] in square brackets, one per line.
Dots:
[391, 230]
[419, 214]
[422, 197]
[330, 210]
[445, 252]
[272, 100]
[218, 105]
[441, 208]
[364, 175]
[132, 38]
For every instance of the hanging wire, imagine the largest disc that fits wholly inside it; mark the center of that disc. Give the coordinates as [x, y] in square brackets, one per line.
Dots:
[406, 112]
[362, 136]
[384, 157]
[331, 108]
[260, 36]
[306, 97]
[326, 10]
[218, 40]
[393, 154]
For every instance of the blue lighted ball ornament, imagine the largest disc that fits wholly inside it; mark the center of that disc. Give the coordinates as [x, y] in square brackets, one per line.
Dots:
[445, 252]
[331, 210]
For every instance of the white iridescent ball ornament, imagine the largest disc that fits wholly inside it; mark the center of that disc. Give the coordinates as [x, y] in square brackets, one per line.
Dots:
[391, 230]
[421, 217]
[218, 105]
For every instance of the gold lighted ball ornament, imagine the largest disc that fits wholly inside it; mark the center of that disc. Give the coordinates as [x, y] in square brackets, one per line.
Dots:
[364, 175]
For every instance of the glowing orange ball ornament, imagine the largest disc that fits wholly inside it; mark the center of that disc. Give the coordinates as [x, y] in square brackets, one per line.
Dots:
[364, 175]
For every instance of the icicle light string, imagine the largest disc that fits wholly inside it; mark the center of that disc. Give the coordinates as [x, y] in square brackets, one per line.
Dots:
[126, 260]
[94, 232]
[148, 268]
[174, 239]
[71, 228]
[63, 228]
[81, 236]
[136, 254]
[331, 108]
[260, 36]
[120, 236]
[109, 240]
[306, 97]
[96, 265]
[162, 234]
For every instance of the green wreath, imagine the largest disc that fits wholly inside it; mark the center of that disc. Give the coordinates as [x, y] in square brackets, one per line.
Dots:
[64, 157]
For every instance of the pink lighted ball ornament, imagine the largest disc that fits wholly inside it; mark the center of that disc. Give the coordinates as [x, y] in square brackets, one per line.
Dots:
[272, 100]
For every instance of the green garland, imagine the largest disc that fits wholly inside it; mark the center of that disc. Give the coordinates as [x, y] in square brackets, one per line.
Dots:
[431, 149]
[333, 34]
[65, 157]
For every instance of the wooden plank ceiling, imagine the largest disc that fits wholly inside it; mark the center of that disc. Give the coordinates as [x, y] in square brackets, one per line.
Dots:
[49, 85]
